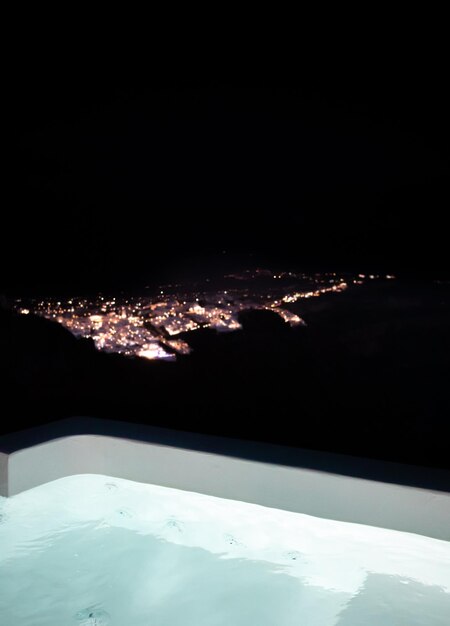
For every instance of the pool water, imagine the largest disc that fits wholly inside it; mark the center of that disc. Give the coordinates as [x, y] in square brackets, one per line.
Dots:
[93, 550]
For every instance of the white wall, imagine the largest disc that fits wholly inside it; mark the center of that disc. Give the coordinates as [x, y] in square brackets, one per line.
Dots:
[297, 489]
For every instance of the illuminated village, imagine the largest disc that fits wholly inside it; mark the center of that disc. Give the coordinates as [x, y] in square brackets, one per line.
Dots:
[157, 326]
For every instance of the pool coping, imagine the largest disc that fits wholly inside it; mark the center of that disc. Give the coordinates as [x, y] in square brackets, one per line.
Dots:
[334, 486]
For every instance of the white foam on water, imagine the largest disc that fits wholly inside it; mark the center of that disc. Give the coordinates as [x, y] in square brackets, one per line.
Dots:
[95, 550]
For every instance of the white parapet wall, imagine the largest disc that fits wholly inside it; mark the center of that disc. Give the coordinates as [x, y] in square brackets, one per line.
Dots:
[300, 488]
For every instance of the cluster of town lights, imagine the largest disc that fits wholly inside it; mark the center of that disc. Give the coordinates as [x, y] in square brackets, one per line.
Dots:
[158, 327]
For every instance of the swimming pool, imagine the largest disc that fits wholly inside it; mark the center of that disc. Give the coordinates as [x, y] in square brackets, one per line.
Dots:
[148, 527]
[94, 550]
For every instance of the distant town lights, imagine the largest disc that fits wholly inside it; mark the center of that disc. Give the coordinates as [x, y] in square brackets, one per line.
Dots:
[147, 327]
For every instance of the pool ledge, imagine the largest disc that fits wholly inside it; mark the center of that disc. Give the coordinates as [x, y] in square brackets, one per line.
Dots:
[325, 485]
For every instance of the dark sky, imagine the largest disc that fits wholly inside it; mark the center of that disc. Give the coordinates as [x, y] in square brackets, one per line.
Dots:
[119, 177]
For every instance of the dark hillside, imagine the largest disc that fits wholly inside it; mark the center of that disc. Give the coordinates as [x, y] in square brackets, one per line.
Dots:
[367, 376]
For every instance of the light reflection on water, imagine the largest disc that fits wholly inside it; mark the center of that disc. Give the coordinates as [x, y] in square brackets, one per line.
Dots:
[94, 551]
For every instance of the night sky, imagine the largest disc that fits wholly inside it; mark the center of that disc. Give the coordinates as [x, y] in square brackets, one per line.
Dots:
[130, 169]
[120, 177]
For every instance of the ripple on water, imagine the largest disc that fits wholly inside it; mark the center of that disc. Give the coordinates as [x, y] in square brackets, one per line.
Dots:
[293, 555]
[3, 515]
[232, 541]
[175, 524]
[93, 616]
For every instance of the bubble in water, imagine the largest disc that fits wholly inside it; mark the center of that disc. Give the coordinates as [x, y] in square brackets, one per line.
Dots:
[124, 513]
[230, 539]
[93, 616]
[293, 555]
[175, 524]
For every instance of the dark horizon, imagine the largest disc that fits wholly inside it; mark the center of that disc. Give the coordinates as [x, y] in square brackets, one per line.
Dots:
[119, 179]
